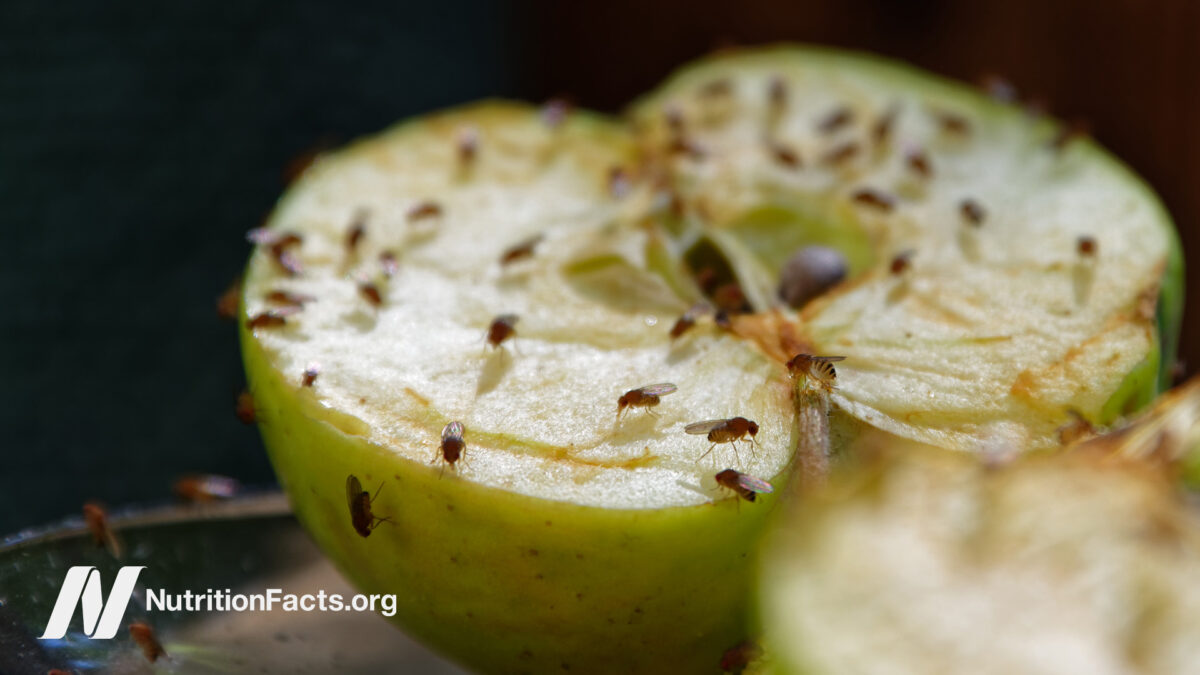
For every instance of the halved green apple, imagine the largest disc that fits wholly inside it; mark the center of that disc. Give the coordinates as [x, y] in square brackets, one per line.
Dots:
[561, 520]
[1042, 276]
[926, 561]
[568, 538]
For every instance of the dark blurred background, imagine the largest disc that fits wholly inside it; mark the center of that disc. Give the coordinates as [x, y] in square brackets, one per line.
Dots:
[139, 141]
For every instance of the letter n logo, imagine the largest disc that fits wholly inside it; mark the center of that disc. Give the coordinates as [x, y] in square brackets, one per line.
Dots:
[82, 587]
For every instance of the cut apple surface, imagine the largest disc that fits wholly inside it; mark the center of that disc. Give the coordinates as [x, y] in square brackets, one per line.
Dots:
[929, 562]
[1034, 262]
[520, 273]
[558, 518]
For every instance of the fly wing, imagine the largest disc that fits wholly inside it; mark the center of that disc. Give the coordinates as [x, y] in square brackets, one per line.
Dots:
[704, 427]
[754, 484]
[659, 389]
[353, 490]
[826, 359]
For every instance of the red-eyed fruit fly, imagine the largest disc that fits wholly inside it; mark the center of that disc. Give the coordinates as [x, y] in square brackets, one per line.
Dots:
[818, 369]
[423, 211]
[288, 298]
[645, 397]
[521, 250]
[724, 431]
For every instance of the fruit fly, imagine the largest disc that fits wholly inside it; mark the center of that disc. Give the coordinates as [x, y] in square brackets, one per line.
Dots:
[881, 131]
[746, 486]
[424, 211]
[951, 123]
[387, 260]
[358, 228]
[280, 244]
[96, 519]
[467, 146]
[874, 199]
[972, 212]
[724, 431]
[273, 318]
[144, 636]
[244, 408]
[840, 154]
[644, 397]
[783, 155]
[205, 488]
[1086, 246]
[310, 374]
[453, 444]
[502, 328]
[370, 293]
[521, 250]
[901, 262]
[287, 298]
[818, 369]
[360, 507]
[230, 300]
[918, 162]
[835, 120]
[684, 323]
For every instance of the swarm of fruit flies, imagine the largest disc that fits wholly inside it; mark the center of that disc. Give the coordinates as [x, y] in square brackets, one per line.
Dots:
[810, 272]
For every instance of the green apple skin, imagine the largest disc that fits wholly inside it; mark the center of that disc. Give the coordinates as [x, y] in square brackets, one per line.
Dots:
[502, 582]
[506, 583]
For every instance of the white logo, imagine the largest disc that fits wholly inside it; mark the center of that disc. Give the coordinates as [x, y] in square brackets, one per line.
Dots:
[82, 587]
